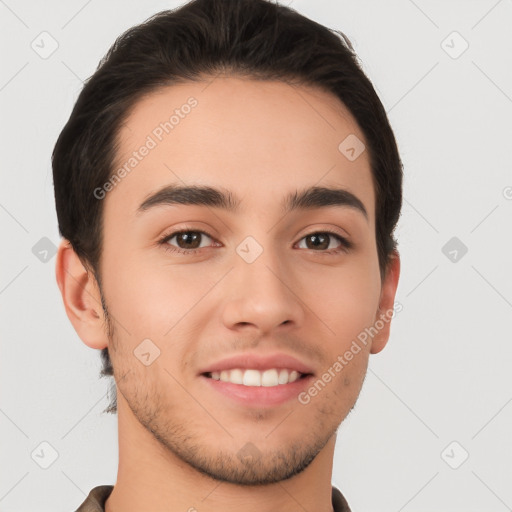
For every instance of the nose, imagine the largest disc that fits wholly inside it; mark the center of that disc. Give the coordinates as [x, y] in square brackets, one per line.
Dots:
[263, 295]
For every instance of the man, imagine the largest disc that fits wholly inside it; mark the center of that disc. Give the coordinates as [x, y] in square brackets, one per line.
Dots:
[227, 187]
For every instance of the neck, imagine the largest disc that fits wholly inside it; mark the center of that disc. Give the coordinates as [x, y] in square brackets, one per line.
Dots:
[151, 478]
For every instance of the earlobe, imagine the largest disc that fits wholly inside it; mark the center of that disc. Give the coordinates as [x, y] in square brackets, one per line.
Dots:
[81, 297]
[386, 304]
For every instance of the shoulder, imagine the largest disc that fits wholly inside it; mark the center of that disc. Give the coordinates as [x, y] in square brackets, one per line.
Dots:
[339, 503]
[95, 501]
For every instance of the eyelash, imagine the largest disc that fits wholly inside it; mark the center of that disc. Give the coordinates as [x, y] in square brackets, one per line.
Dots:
[345, 246]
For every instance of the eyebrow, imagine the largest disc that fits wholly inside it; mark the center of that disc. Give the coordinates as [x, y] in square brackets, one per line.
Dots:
[309, 198]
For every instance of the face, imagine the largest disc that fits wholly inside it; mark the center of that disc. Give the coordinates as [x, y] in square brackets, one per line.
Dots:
[282, 284]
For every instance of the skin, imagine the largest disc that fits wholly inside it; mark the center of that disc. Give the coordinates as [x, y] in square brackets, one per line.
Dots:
[179, 439]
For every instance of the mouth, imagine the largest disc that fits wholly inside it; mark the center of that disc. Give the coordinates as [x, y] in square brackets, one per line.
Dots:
[257, 379]
[252, 377]
[251, 388]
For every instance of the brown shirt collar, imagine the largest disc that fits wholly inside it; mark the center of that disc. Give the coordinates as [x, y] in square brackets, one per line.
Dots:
[95, 502]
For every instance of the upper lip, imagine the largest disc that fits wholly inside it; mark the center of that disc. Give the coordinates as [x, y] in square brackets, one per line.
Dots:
[258, 362]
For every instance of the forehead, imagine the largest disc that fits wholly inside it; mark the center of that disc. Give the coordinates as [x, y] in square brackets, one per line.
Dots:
[260, 139]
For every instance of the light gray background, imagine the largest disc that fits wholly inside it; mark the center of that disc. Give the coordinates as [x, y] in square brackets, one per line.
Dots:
[445, 374]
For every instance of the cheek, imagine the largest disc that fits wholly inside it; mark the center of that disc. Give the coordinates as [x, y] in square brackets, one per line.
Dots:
[149, 300]
[335, 391]
[345, 299]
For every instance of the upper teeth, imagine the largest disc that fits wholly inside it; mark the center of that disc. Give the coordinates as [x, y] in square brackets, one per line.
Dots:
[271, 377]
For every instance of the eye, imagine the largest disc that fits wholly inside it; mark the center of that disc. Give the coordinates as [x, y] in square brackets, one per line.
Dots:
[187, 241]
[320, 241]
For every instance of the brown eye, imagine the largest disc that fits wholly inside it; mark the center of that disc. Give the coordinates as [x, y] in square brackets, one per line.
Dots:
[324, 241]
[188, 240]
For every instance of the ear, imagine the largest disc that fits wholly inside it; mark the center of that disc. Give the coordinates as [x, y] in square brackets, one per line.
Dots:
[386, 303]
[81, 296]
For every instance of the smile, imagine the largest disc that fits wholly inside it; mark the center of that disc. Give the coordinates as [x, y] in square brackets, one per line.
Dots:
[252, 377]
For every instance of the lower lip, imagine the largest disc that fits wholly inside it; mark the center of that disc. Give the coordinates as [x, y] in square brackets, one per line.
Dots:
[260, 396]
